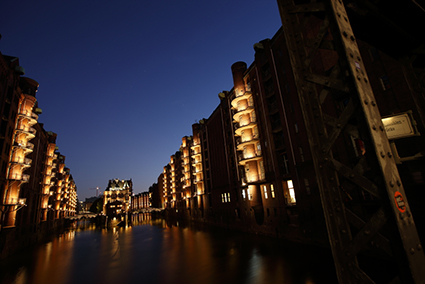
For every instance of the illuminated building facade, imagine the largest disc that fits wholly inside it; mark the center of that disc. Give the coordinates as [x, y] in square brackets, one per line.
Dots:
[165, 183]
[251, 161]
[49, 173]
[37, 193]
[140, 201]
[117, 197]
[197, 166]
[187, 177]
[22, 134]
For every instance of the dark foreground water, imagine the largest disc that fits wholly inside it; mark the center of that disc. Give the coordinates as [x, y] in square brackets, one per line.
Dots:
[161, 253]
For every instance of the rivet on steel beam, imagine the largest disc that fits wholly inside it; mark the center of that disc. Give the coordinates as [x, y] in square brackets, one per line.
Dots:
[392, 184]
[358, 58]
[373, 103]
[358, 78]
[373, 127]
[412, 250]
[366, 102]
[381, 128]
[401, 216]
[382, 154]
[419, 246]
[345, 18]
[365, 80]
[351, 55]
[352, 38]
[398, 183]
[344, 33]
[390, 155]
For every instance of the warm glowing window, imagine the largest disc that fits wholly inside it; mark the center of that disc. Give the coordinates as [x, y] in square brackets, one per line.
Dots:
[228, 197]
[243, 194]
[265, 191]
[272, 190]
[291, 191]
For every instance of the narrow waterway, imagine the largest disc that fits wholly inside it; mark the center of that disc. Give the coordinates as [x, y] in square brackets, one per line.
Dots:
[157, 252]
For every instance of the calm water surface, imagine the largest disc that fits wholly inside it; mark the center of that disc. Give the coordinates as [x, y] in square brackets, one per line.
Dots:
[158, 252]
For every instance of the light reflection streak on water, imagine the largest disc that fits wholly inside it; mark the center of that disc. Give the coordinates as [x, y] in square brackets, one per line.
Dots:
[163, 254]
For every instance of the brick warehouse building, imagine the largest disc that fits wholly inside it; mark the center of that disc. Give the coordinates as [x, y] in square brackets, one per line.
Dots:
[251, 162]
[37, 191]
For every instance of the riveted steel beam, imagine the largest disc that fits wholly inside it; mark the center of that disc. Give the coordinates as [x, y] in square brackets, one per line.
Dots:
[307, 27]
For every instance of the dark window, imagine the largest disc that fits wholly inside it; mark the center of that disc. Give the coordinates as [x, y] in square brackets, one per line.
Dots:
[265, 70]
[374, 53]
[385, 82]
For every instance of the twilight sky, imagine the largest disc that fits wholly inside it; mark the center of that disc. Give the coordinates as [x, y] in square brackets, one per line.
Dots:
[121, 82]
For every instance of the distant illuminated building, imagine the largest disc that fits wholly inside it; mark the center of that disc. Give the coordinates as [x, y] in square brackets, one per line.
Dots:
[141, 201]
[116, 198]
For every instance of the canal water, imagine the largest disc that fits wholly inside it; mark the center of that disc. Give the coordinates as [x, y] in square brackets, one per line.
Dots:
[159, 252]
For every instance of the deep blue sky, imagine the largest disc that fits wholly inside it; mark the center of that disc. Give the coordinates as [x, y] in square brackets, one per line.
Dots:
[121, 82]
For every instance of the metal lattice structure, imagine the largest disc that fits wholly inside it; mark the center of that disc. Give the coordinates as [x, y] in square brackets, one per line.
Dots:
[312, 30]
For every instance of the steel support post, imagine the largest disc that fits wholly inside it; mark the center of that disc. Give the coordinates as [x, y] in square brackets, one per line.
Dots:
[321, 32]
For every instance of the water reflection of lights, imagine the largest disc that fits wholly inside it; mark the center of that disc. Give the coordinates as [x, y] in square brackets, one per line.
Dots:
[115, 255]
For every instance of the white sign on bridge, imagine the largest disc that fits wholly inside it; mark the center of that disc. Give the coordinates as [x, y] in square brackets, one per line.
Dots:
[399, 126]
